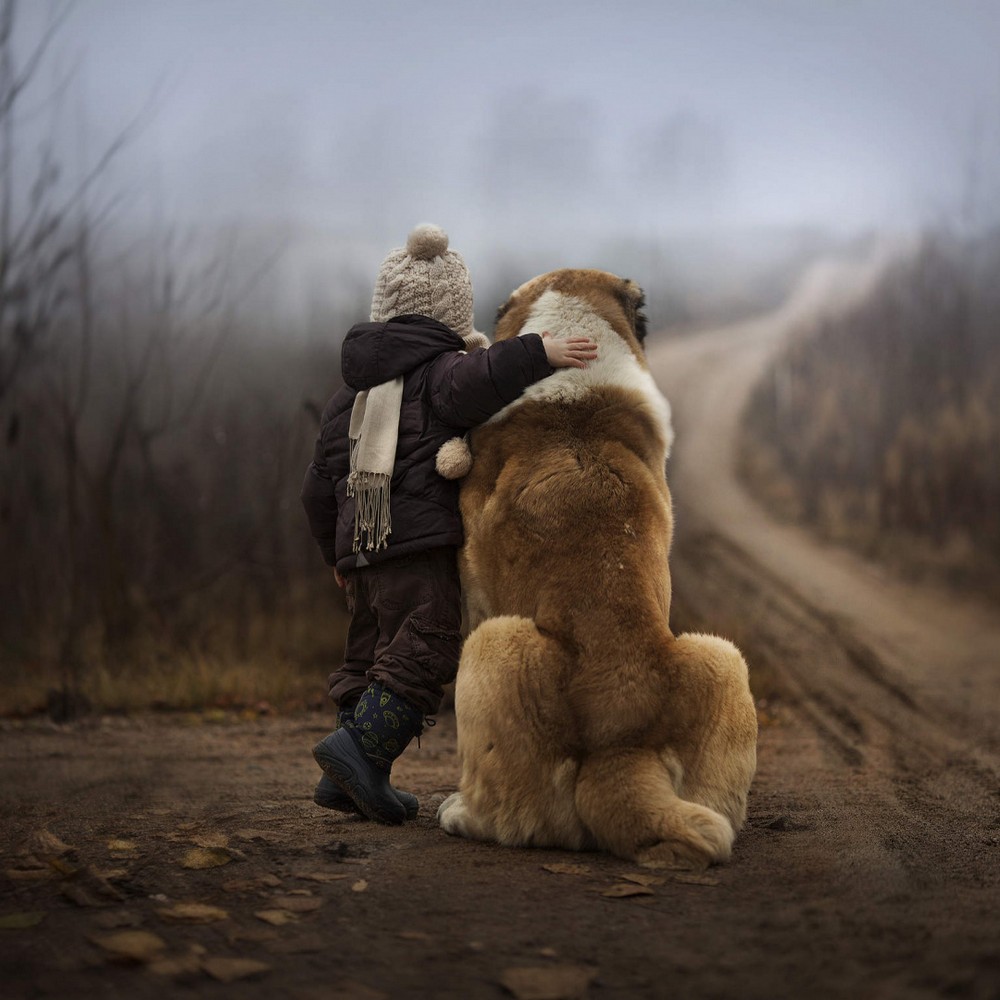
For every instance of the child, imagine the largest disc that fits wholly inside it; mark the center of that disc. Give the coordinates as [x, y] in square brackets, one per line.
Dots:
[386, 520]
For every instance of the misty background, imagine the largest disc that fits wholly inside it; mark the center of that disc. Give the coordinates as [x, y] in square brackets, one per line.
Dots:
[552, 132]
[196, 194]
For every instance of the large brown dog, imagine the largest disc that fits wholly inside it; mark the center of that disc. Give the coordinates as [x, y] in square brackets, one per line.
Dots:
[583, 722]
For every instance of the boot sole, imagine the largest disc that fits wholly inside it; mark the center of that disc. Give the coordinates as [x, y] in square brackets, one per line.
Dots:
[342, 802]
[348, 771]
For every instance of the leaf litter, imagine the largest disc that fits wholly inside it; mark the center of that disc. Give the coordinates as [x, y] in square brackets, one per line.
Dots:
[277, 918]
[199, 858]
[193, 913]
[130, 946]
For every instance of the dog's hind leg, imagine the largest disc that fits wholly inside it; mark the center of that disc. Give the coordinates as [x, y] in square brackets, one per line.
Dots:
[518, 779]
[627, 798]
[719, 766]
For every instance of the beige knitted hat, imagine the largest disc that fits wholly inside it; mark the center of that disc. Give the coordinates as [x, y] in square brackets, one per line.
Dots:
[426, 277]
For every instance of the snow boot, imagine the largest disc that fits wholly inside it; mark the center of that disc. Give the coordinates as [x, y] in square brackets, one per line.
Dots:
[358, 758]
[329, 796]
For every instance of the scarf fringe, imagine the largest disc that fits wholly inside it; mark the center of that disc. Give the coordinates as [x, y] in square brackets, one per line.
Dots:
[372, 522]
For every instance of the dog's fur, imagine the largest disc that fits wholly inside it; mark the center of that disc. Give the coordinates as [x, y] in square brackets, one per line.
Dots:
[583, 722]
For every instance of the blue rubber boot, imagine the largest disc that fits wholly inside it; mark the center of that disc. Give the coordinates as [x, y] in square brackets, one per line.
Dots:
[358, 758]
[329, 796]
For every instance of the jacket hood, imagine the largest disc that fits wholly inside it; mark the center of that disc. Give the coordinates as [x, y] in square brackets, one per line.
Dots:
[374, 353]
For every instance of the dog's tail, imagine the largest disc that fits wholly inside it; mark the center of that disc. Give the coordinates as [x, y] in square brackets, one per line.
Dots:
[673, 807]
[628, 800]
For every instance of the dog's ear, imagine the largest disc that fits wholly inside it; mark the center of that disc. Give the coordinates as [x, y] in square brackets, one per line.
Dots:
[503, 310]
[633, 299]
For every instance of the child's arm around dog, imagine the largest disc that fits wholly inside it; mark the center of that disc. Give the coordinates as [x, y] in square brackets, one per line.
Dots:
[468, 389]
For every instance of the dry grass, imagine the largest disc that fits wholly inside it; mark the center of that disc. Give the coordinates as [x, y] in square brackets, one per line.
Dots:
[277, 661]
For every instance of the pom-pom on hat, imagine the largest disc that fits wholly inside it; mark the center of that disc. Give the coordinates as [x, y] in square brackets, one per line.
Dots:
[426, 277]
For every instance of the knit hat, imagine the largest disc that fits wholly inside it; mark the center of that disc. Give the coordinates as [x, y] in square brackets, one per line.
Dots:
[427, 278]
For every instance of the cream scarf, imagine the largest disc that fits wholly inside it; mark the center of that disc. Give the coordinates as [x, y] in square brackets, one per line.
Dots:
[373, 433]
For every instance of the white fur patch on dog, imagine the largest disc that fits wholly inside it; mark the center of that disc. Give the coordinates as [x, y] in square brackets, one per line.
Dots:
[616, 364]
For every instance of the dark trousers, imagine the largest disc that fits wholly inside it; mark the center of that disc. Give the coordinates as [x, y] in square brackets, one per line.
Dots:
[405, 629]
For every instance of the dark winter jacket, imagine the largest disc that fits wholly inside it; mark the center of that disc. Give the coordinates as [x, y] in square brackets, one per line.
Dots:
[445, 393]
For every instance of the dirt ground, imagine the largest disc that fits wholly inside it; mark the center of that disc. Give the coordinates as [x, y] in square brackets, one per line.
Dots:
[160, 855]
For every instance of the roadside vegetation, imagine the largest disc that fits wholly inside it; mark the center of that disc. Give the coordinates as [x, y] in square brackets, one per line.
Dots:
[881, 428]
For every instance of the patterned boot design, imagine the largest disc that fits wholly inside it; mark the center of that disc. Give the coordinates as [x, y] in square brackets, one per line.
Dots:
[385, 724]
[357, 758]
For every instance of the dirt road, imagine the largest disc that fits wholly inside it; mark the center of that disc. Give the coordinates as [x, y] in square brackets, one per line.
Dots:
[868, 867]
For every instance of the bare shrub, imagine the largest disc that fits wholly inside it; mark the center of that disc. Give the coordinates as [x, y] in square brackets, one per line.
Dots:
[882, 428]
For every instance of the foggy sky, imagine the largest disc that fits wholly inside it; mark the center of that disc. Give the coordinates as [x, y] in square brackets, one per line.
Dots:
[536, 121]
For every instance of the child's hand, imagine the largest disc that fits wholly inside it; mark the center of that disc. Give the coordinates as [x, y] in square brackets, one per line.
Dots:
[341, 582]
[571, 352]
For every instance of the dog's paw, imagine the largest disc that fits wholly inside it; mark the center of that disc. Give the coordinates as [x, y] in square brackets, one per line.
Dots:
[449, 813]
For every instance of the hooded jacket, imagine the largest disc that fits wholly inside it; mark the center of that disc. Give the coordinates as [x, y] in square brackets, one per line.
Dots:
[445, 393]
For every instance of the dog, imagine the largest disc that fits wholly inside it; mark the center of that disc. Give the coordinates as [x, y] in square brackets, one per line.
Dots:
[583, 722]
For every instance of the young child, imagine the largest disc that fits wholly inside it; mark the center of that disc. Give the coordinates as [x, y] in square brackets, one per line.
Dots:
[415, 376]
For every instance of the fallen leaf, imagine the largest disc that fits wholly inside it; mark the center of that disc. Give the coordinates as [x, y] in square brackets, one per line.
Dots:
[297, 904]
[122, 846]
[131, 946]
[62, 867]
[624, 889]
[277, 918]
[672, 868]
[30, 874]
[193, 913]
[414, 936]
[270, 880]
[562, 868]
[206, 857]
[548, 953]
[644, 879]
[549, 982]
[44, 844]
[319, 876]
[691, 878]
[360, 885]
[109, 873]
[210, 840]
[89, 888]
[228, 970]
[21, 921]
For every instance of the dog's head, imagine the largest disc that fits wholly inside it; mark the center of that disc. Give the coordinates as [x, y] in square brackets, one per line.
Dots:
[571, 301]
